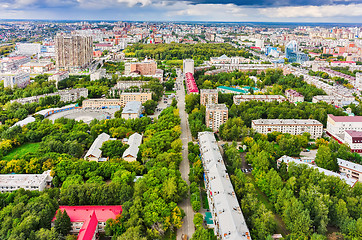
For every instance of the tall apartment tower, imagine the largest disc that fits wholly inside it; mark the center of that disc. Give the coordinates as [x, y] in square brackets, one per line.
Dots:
[216, 115]
[358, 81]
[188, 66]
[73, 51]
[208, 96]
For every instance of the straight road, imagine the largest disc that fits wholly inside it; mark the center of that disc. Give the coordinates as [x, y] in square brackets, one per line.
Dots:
[188, 225]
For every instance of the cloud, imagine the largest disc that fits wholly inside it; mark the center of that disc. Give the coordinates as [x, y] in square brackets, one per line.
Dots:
[351, 10]
[276, 3]
[213, 11]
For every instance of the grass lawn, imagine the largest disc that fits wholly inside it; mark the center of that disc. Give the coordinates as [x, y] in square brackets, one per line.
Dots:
[281, 228]
[19, 152]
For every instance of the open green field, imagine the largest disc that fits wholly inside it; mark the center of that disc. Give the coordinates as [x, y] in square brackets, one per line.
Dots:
[19, 152]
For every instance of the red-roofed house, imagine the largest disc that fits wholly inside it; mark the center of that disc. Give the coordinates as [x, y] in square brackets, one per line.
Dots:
[191, 84]
[354, 140]
[87, 221]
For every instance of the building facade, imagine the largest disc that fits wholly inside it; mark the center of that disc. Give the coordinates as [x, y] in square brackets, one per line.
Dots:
[294, 96]
[354, 140]
[134, 141]
[70, 95]
[132, 110]
[100, 103]
[16, 79]
[142, 97]
[73, 52]
[208, 96]
[147, 67]
[337, 125]
[291, 126]
[350, 169]
[216, 115]
[260, 98]
[188, 66]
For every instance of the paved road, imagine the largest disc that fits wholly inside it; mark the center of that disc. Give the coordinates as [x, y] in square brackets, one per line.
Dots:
[188, 225]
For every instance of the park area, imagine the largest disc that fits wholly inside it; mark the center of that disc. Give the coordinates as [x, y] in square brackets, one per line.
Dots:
[20, 152]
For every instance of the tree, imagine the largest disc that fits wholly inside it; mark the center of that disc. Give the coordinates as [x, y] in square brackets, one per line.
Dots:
[325, 160]
[113, 148]
[62, 223]
[150, 106]
[198, 220]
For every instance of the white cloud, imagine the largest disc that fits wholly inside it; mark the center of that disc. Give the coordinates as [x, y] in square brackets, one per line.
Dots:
[214, 12]
[351, 10]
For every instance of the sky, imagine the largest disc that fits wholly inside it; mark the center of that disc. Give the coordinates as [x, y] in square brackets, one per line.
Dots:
[336, 11]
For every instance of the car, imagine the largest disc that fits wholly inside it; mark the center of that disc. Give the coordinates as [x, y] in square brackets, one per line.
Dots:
[184, 237]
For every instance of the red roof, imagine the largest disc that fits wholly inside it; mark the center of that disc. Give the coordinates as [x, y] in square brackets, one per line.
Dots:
[90, 216]
[343, 62]
[103, 45]
[354, 133]
[190, 83]
[345, 118]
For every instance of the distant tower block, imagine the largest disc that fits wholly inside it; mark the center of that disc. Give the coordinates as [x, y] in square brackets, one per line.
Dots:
[188, 66]
[359, 81]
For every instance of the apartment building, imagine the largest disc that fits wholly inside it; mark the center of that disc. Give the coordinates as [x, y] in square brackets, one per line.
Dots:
[59, 76]
[287, 160]
[294, 96]
[32, 182]
[208, 96]
[216, 115]
[68, 95]
[15, 79]
[147, 67]
[339, 101]
[227, 218]
[97, 75]
[188, 66]
[260, 98]
[73, 52]
[350, 169]
[291, 126]
[142, 97]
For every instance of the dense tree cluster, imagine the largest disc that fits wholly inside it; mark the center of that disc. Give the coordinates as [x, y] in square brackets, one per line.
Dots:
[176, 51]
[307, 200]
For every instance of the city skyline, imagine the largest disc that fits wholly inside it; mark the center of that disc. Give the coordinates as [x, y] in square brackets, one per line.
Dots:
[200, 10]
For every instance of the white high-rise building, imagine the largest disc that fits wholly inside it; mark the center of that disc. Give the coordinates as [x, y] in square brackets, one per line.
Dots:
[188, 66]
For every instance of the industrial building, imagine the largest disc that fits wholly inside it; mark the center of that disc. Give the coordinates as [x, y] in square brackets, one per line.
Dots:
[228, 219]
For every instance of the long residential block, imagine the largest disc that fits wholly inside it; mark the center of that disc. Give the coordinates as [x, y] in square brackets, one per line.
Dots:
[291, 126]
[228, 219]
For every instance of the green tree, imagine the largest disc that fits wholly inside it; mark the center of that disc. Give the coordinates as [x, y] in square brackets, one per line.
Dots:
[62, 223]
[325, 160]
